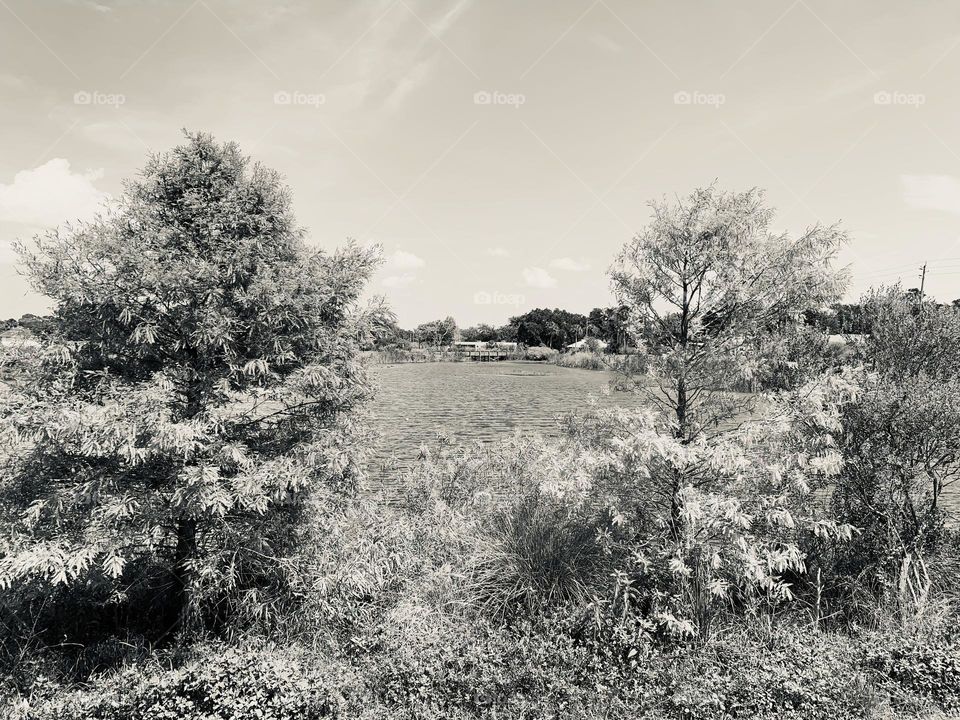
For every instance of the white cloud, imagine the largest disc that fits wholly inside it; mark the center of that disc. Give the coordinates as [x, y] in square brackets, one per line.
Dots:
[399, 281]
[566, 263]
[538, 278]
[936, 192]
[50, 195]
[498, 252]
[405, 260]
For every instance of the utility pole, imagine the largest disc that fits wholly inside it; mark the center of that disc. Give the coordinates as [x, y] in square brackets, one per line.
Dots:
[923, 277]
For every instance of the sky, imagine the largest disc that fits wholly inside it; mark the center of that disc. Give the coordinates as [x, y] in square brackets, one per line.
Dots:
[500, 152]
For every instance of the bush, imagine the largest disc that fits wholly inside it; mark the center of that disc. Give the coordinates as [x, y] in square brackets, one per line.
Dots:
[536, 553]
[540, 353]
[228, 684]
[584, 360]
[474, 669]
[929, 672]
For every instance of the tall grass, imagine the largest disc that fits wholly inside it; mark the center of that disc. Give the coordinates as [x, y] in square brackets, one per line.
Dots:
[536, 553]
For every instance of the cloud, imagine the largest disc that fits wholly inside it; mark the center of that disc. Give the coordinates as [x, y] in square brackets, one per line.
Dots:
[399, 281]
[498, 252]
[569, 264]
[538, 278]
[935, 192]
[402, 265]
[50, 195]
[405, 260]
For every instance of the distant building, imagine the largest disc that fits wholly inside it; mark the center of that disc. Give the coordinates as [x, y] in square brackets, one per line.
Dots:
[467, 345]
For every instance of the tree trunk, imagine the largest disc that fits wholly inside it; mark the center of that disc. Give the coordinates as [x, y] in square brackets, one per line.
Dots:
[681, 435]
[185, 552]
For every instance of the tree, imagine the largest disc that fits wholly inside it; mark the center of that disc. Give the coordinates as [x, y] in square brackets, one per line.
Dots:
[748, 502]
[507, 333]
[901, 446]
[552, 328]
[437, 333]
[611, 325]
[908, 338]
[901, 439]
[712, 279]
[198, 390]
[480, 333]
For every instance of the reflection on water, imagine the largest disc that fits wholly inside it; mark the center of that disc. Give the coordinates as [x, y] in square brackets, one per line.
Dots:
[470, 401]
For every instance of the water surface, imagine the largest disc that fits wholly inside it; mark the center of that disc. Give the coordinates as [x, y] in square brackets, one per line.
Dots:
[468, 401]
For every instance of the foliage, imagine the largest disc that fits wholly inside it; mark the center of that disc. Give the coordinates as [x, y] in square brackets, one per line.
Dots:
[201, 383]
[930, 672]
[227, 683]
[612, 325]
[792, 675]
[901, 448]
[537, 551]
[480, 333]
[553, 328]
[839, 319]
[745, 504]
[539, 353]
[910, 338]
[437, 333]
[711, 278]
[901, 443]
[585, 360]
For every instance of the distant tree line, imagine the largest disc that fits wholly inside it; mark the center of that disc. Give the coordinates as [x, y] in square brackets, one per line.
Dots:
[34, 323]
[854, 318]
[554, 328]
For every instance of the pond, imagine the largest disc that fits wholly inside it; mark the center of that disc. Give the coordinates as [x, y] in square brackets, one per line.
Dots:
[468, 401]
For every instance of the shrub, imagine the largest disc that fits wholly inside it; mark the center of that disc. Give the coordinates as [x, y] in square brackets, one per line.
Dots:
[927, 671]
[548, 669]
[795, 675]
[901, 447]
[540, 353]
[538, 552]
[228, 684]
[584, 360]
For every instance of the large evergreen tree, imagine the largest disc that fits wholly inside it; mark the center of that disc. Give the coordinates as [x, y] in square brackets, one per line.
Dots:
[200, 384]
